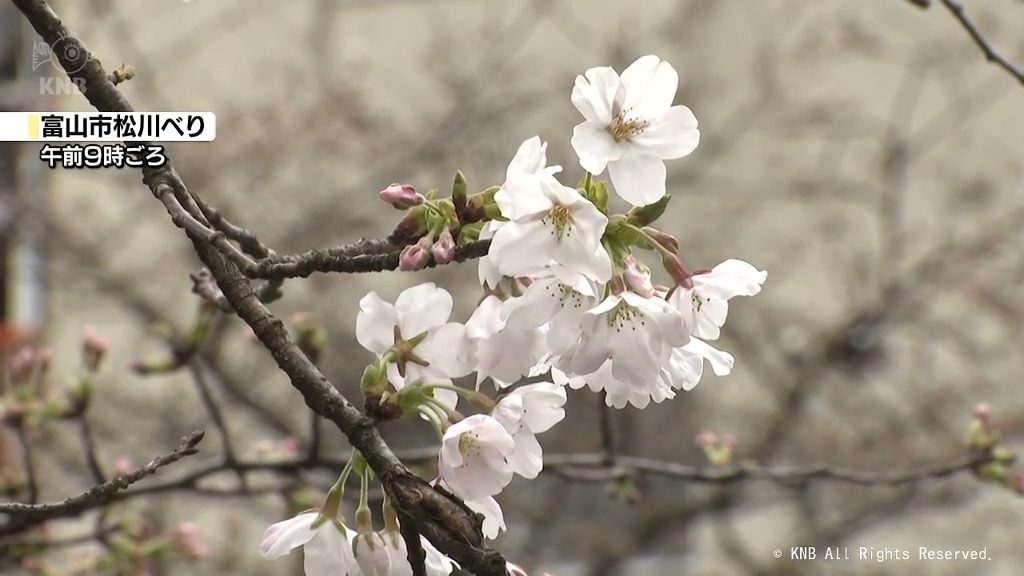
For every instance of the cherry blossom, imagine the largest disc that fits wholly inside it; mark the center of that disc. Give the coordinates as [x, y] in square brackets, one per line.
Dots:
[630, 126]
[708, 299]
[526, 412]
[324, 544]
[493, 339]
[417, 331]
[472, 460]
[637, 334]
[548, 222]
[527, 167]
[557, 298]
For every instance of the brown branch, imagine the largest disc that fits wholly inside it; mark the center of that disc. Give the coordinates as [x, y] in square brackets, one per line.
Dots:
[26, 515]
[990, 53]
[359, 257]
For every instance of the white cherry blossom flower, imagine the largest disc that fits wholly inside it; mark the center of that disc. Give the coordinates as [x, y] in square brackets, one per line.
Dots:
[686, 364]
[325, 547]
[549, 222]
[637, 334]
[618, 392]
[526, 412]
[558, 298]
[527, 167]
[708, 300]
[472, 461]
[503, 353]
[436, 563]
[422, 313]
[631, 126]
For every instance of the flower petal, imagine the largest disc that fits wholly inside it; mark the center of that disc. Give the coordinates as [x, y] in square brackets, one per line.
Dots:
[651, 85]
[325, 554]
[375, 323]
[673, 134]
[594, 93]
[421, 308]
[638, 178]
[595, 146]
[528, 459]
[721, 361]
[283, 537]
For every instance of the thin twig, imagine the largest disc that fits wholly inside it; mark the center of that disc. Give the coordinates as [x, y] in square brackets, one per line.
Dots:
[958, 12]
[25, 515]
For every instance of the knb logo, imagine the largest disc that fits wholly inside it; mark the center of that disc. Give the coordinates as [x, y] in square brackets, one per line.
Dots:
[802, 553]
[63, 50]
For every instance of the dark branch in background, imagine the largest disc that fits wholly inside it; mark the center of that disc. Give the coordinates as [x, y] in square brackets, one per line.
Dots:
[993, 56]
[27, 515]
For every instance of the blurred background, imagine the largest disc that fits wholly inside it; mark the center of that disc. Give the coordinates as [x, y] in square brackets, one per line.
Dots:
[863, 153]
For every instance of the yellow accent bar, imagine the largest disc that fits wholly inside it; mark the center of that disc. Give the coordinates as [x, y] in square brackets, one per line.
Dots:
[33, 126]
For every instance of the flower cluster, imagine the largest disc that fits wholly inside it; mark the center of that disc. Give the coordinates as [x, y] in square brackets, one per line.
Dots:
[568, 302]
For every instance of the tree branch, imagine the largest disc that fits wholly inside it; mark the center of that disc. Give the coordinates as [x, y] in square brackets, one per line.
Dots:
[27, 515]
[958, 12]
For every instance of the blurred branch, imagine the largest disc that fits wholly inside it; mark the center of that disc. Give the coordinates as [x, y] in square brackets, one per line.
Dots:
[26, 515]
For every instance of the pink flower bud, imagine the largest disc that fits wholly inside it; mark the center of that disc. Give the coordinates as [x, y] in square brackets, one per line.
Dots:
[415, 256]
[706, 439]
[983, 412]
[94, 347]
[638, 276]
[123, 465]
[401, 196]
[189, 542]
[444, 249]
[668, 241]
[290, 446]
[677, 271]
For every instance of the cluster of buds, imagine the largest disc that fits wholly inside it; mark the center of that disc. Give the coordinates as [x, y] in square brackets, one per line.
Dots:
[717, 449]
[983, 439]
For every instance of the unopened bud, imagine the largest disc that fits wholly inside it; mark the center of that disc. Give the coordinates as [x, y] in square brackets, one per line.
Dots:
[94, 347]
[123, 465]
[411, 227]
[983, 413]
[415, 256]
[401, 196]
[443, 249]
[310, 335]
[706, 439]
[666, 240]
[638, 276]
[188, 541]
[677, 271]
[459, 192]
